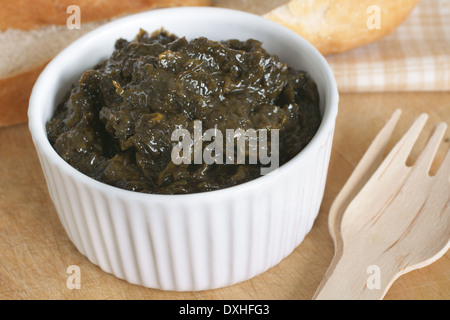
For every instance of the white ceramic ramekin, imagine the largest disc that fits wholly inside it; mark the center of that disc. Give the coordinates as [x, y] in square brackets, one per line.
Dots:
[187, 242]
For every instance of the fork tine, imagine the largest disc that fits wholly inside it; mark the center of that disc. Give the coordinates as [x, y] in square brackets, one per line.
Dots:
[444, 170]
[406, 144]
[426, 158]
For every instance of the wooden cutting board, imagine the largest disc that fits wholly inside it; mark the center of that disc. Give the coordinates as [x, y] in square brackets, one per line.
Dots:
[35, 252]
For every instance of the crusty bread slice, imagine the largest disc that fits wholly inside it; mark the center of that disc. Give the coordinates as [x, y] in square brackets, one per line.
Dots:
[33, 14]
[22, 50]
[15, 92]
[35, 31]
[23, 56]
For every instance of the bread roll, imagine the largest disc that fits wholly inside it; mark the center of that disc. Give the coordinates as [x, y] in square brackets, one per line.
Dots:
[335, 26]
[332, 26]
[32, 32]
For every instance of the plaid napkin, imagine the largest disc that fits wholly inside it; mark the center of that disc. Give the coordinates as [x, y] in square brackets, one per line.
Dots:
[416, 57]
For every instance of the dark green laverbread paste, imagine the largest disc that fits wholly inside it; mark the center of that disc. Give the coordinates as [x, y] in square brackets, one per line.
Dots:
[115, 124]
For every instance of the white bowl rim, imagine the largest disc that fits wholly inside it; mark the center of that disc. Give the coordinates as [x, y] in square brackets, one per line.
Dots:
[40, 138]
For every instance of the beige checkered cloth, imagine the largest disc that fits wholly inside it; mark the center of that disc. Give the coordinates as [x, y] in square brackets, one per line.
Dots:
[416, 57]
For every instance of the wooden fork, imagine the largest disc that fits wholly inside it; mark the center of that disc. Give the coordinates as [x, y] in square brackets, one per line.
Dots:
[397, 222]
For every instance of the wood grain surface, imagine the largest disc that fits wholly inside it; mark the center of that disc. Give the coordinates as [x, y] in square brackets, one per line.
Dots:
[35, 251]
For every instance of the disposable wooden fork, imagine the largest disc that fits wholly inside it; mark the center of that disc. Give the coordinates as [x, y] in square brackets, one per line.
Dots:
[389, 223]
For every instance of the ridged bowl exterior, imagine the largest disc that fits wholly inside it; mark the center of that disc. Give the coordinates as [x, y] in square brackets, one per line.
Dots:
[216, 241]
[190, 242]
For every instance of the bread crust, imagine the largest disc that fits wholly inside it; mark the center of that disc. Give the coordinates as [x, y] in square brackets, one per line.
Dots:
[32, 14]
[335, 26]
[15, 90]
[14, 96]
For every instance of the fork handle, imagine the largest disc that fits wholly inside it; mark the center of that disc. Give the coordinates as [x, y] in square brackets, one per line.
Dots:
[353, 278]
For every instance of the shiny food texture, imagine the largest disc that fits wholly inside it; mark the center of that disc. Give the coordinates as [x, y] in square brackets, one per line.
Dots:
[115, 125]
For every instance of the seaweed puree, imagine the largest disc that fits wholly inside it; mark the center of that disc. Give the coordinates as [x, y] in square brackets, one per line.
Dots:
[115, 125]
